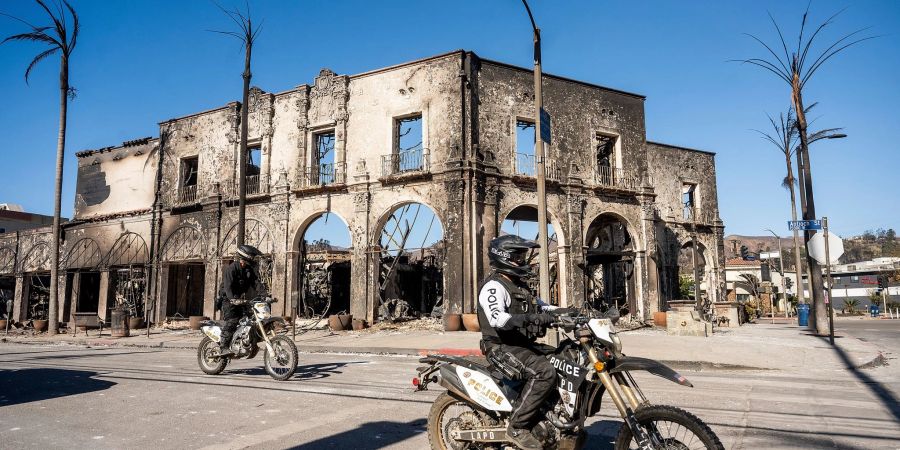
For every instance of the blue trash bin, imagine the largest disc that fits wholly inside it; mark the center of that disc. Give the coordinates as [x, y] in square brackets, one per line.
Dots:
[803, 314]
[875, 310]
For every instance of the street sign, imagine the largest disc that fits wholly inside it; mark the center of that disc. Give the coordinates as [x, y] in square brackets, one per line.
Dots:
[545, 126]
[769, 255]
[816, 247]
[801, 225]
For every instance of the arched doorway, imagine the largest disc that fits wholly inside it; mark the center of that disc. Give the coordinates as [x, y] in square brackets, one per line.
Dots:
[35, 267]
[7, 277]
[185, 272]
[411, 256]
[323, 266]
[127, 261]
[522, 221]
[257, 235]
[692, 271]
[609, 264]
[82, 264]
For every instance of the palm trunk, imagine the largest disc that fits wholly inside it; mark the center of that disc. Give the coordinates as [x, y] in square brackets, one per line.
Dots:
[798, 267]
[242, 159]
[60, 153]
[820, 314]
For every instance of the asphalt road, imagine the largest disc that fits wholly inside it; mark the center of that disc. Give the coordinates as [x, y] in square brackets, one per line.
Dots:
[883, 333]
[117, 398]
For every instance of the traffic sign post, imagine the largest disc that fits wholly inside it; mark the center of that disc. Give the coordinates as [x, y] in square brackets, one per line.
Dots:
[830, 289]
[545, 126]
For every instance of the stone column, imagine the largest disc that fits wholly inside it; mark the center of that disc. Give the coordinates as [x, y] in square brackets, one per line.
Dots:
[20, 298]
[573, 276]
[456, 289]
[363, 271]
[210, 287]
[61, 299]
[162, 294]
[651, 274]
[103, 299]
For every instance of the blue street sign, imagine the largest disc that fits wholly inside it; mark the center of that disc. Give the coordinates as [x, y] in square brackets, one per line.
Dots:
[802, 225]
[545, 126]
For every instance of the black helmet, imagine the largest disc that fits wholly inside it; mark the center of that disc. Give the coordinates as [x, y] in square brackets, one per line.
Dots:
[508, 254]
[248, 253]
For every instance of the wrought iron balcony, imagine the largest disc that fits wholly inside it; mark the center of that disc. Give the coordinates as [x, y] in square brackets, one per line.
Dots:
[254, 185]
[324, 175]
[526, 166]
[187, 194]
[699, 216]
[616, 178]
[408, 161]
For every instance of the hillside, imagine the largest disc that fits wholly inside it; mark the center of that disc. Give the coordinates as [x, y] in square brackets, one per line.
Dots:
[871, 244]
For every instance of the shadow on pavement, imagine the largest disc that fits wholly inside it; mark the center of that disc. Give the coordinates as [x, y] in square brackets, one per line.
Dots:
[891, 403]
[602, 434]
[368, 436]
[306, 372]
[32, 385]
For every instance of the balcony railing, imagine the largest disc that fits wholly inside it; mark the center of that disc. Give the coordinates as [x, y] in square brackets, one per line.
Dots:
[526, 165]
[324, 175]
[408, 161]
[616, 178]
[698, 215]
[254, 185]
[187, 194]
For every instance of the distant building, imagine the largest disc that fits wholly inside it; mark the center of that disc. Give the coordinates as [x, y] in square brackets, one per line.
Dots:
[14, 218]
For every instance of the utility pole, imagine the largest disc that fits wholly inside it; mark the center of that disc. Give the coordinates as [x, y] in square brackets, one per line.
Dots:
[829, 299]
[781, 264]
[543, 251]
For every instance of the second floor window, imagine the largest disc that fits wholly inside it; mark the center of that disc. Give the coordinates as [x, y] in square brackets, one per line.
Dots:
[189, 171]
[408, 134]
[606, 151]
[689, 199]
[254, 161]
[324, 159]
[525, 163]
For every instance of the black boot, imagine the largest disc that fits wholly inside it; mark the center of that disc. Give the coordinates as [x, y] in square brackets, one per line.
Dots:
[523, 439]
[225, 351]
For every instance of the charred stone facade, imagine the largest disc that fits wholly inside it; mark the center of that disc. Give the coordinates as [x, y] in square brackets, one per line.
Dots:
[166, 208]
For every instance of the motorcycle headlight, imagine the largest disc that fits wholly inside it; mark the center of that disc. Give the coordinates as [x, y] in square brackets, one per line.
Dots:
[616, 342]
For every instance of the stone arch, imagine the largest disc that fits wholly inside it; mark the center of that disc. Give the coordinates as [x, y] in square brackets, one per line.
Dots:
[186, 243]
[409, 273]
[84, 254]
[558, 265]
[255, 234]
[685, 263]
[610, 262]
[321, 273]
[552, 218]
[129, 249]
[7, 260]
[37, 259]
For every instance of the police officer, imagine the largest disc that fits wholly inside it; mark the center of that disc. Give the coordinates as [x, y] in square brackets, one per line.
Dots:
[511, 319]
[240, 282]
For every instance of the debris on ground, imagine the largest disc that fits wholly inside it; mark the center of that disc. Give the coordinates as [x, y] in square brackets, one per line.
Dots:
[422, 324]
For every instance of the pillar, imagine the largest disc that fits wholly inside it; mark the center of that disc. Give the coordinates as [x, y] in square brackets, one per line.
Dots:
[210, 287]
[103, 301]
[61, 298]
[162, 294]
[20, 298]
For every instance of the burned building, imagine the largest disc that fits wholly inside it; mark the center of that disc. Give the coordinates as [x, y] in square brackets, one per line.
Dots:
[448, 137]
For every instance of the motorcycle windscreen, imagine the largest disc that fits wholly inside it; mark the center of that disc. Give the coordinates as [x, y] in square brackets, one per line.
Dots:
[483, 390]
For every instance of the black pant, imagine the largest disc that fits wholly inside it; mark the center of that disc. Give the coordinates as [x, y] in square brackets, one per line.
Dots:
[231, 314]
[540, 378]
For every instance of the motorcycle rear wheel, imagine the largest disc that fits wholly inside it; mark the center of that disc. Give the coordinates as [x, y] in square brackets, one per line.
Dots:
[679, 430]
[440, 420]
[208, 357]
[283, 363]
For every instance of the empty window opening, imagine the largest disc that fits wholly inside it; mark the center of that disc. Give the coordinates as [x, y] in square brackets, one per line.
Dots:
[324, 267]
[606, 159]
[324, 159]
[408, 154]
[411, 278]
[38, 297]
[688, 199]
[610, 265]
[253, 169]
[185, 290]
[189, 174]
[525, 140]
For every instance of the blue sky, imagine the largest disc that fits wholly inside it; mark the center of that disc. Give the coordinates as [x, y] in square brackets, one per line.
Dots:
[141, 62]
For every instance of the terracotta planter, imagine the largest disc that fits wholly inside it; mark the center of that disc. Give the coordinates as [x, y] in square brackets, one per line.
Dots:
[136, 322]
[40, 325]
[452, 322]
[659, 319]
[470, 322]
[340, 322]
[3, 323]
[359, 324]
[194, 321]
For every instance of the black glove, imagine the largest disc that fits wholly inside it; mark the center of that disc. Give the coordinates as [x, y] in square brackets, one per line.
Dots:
[542, 319]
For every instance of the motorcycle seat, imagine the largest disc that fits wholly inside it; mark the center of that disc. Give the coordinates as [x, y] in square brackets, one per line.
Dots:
[218, 323]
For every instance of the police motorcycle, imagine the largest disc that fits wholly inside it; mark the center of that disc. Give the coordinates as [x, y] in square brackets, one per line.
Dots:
[473, 413]
[259, 329]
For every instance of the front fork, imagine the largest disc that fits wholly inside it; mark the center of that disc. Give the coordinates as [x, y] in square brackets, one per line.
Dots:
[262, 331]
[624, 393]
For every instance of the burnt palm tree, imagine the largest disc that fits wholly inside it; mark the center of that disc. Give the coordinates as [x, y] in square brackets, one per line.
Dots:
[796, 67]
[247, 35]
[61, 38]
[784, 137]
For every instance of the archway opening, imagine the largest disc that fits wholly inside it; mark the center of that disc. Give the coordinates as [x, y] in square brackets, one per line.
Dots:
[323, 269]
[610, 265]
[184, 269]
[522, 221]
[692, 279]
[411, 263]
[7, 278]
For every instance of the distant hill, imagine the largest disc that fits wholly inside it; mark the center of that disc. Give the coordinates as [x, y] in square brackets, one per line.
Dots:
[871, 244]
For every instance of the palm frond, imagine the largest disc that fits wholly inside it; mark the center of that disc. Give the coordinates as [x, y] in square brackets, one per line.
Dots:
[76, 27]
[38, 59]
[33, 37]
[787, 182]
[787, 57]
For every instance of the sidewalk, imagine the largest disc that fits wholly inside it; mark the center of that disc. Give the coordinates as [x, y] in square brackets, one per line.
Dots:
[752, 346]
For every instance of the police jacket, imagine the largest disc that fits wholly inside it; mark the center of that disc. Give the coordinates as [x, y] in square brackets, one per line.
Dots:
[240, 282]
[503, 309]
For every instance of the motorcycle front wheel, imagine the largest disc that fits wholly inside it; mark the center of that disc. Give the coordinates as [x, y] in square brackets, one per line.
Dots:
[208, 357]
[671, 429]
[283, 363]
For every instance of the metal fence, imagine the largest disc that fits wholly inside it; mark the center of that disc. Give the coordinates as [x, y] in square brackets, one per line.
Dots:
[414, 160]
[698, 215]
[187, 194]
[324, 174]
[616, 178]
[526, 165]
